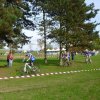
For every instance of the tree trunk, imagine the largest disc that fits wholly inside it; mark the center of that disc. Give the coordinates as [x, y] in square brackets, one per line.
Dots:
[45, 53]
[60, 60]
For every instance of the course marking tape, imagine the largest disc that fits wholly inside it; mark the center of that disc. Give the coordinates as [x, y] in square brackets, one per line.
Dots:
[56, 73]
[47, 74]
[44, 74]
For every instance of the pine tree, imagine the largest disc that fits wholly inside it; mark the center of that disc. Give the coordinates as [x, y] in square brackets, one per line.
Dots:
[75, 17]
[10, 28]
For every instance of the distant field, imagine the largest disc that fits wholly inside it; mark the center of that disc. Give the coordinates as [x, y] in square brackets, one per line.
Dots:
[76, 86]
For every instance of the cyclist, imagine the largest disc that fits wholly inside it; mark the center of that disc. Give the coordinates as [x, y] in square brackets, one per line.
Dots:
[29, 62]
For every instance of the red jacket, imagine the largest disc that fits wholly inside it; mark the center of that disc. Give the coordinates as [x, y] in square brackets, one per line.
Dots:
[10, 56]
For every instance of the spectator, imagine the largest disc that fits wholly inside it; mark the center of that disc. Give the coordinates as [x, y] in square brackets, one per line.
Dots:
[87, 55]
[66, 58]
[72, 55]
[9, 59]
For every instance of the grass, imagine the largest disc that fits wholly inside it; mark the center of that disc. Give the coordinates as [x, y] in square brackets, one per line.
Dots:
[52, 66]
[76, 86]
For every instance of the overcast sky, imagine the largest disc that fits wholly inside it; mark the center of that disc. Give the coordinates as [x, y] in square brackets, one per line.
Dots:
[35, 35]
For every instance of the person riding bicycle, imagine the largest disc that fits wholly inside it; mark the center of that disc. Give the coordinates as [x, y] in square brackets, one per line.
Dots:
[29, 62]
[31, 59]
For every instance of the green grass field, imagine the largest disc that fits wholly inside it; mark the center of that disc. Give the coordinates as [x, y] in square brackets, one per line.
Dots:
[75, 86]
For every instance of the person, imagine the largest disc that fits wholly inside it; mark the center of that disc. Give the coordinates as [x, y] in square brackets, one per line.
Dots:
[66, 58]
[88, 57]
[72, 55]
[10, 59]
[29, 61]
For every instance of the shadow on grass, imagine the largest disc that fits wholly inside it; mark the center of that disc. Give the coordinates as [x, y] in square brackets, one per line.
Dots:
[5, 66]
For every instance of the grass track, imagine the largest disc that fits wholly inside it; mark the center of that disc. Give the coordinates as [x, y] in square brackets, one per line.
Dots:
[77, 86]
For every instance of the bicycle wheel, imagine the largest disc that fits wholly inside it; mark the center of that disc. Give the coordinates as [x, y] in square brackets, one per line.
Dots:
[35, 69]
[22, 72]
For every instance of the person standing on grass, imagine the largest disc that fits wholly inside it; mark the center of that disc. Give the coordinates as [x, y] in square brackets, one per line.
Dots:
[66, 58]
[88, 57]
[10, 59]
[72, 55]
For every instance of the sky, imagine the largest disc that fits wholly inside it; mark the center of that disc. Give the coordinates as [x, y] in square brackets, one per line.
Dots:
[34, 46]
[97, 6]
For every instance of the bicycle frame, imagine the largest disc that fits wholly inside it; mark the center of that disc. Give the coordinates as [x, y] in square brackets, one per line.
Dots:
[27, 66]
[30, 69]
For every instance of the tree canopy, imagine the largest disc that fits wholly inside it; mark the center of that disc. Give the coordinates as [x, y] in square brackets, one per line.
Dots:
[74, 18]
[72, 21]
[12, 20]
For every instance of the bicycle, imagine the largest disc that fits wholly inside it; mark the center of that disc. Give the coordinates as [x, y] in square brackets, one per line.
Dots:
[29, 69]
